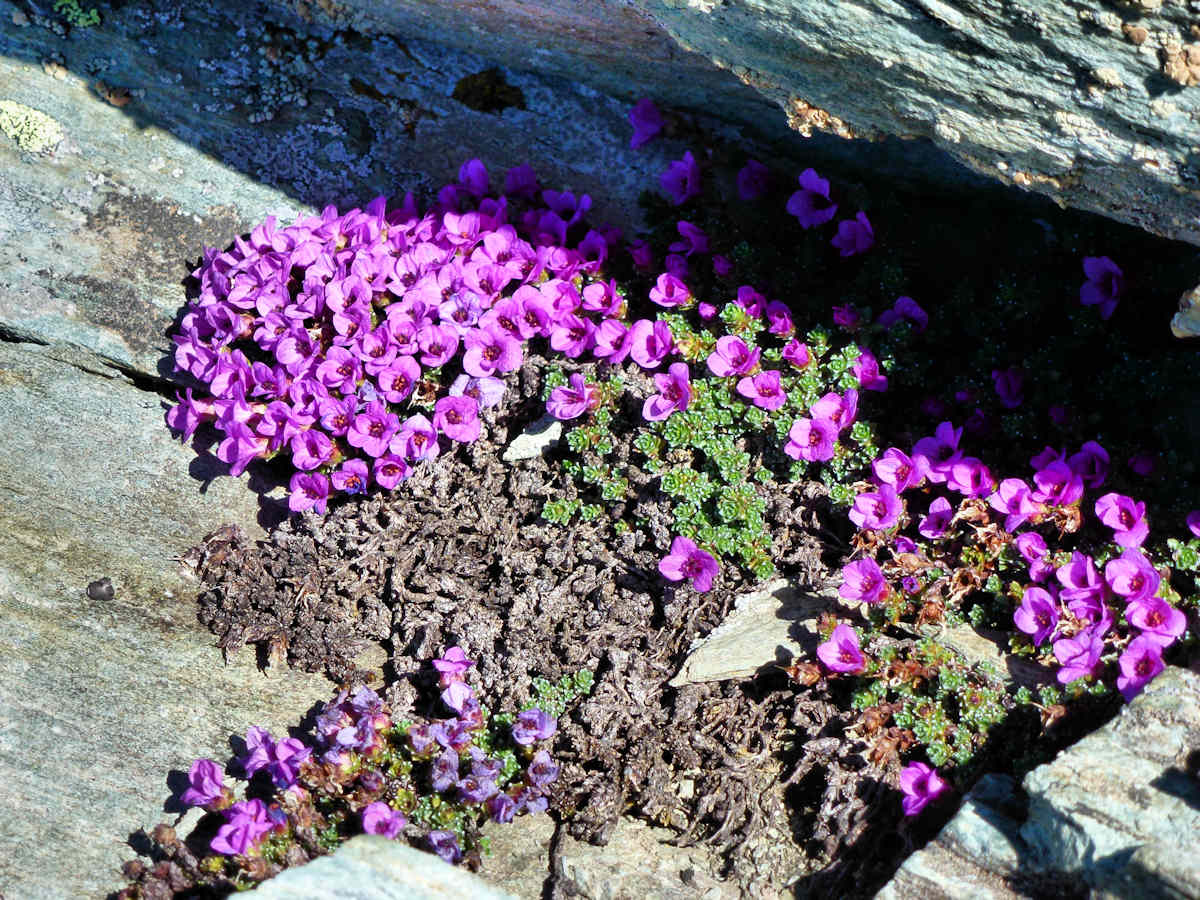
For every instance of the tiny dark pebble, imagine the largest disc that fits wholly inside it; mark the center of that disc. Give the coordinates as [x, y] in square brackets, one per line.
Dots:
[101, 589]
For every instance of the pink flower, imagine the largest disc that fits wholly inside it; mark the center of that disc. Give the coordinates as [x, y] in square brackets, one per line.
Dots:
[669, 291]
[797, 354]
[1139, 664]
[813, 440]
[840, 410]
[686, 560]
[308, 490]
[379, 818]
[897, 469]
[763, 390]
[674, 393]
[452, 665]
[854, 235]
[732, 357]
[877, 510]
[866, 370]
[573, 400]
[841, 653]
[1079, 656]
[1013, 498]
[457, 418]
[650, 342]
[647, 122]
[863, 580]
[921, 786]
[389, 470]
[1037, 615]
[1132, 576]
[351, 477]
[1125, 516]
[934, 525]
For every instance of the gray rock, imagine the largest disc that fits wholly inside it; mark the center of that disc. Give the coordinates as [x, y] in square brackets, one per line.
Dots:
[101, 699]
[1090, 103]
[534, 440]
[1118, 812]
[370, 867]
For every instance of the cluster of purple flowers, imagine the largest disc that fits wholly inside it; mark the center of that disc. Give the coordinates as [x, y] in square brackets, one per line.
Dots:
[311, 340]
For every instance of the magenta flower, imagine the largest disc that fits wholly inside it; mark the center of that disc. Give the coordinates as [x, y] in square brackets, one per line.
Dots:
[686, 560]
[779, 318]
[732, 357]
[647, 122]
[1013, 498]
[877, 510]
[1142, 464]
[246, 823]
[389, 470]
[486, 390]
[308, 490]
[572, 400]
[452, 665]
[457, 418]
[445, 845]
[694, 239]
[613, 341]
[1037, 615]
[206, 785]
[810, 205]
[490, 350]
[1057, 485]
[1158, 620]
[650, 342]
[898, 469]
[813, 440]
[1139, 664]
[847, 317]
[863, 580]
[1125, 516]
[674, 393]
[1081, 583]
[854, 235]
[1103, 286]
[763, 390]
[921, 786]
[669, 291]
[1009, 384]
[840, 410]
[752, 180]
[351, 477]
[1132, 576]
[681, 181]
[722, 268]
[970, 477]
[797, 354]
[1193, 522]
[754, 303]
[934, 525]
[841, 653]
[416, 440]
[866, 370]
[379, 818]
[1091, 464]
[1032, 547]
[573, 336]
[373, 429]
[1079, 656]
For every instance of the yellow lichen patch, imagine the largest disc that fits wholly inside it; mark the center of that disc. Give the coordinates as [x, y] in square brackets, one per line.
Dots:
[804, 117]
[33, 131]
[1182, 64]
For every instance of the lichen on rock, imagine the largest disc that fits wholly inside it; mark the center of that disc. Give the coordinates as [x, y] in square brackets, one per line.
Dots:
[32, 130]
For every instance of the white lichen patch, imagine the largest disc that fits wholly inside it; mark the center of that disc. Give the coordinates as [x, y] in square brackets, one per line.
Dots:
[32, 130]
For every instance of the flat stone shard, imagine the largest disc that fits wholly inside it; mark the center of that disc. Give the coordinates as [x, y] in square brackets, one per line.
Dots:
[370, 867]
[1116, 814]
[534, 440]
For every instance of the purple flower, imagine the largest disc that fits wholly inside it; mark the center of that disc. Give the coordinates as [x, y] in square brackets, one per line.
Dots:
[694, 239]
[490, 350]
[752, 180]
[674, 393]
[1125, 516]
[521, 181]
[542, 770]
[1013, 498]
[681, 181]
[650, 342]
[647, 122]
[838, 409]
[533, 725]
[572, 400]
[1132, 576]
[1139, 664]
[443, 774]
[452, 665]
[810, 205]
[1081, 583]
[877, 510]
[863, 580]
[847, 317]
[898, 469]
[456, 696]
[476, 789]
[779, 319]
[854, 235]
[722, 268]
[390, 470]
[1057, 485]
[1103, 285]
[1142, 464]
[841, 653]
[686, 560]
[796, 353]
[416, 440]
[1159, 620]
[1090, 464]
[1079, 656]
[813, 440]
[732, 357]
[1193, 522]
[457, 418]
[246, 823]
[373, 429]
[445, 845]
[750, 300]
[1009, 383]
[502, 808]
[1031, 546]
[905, 309]
[763, 390]
[970, 477]
[921, 786]
[934, 525]
[351, 477]
[206, 784]
[379, 818]
[308, 491]
[866, 370]
[1037, 615]
[669, 291]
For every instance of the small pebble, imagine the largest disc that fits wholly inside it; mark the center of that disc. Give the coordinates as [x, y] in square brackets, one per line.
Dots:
[101, 589]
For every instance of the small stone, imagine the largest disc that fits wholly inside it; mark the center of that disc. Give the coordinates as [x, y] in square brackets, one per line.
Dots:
[20, 19]
[534, 440]
[1135, 34]
[101, 590]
